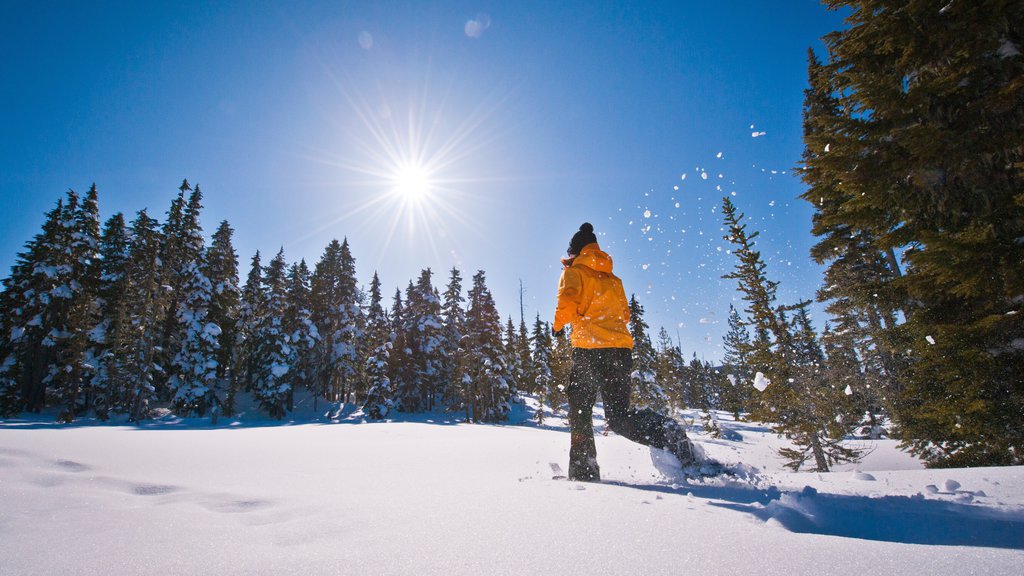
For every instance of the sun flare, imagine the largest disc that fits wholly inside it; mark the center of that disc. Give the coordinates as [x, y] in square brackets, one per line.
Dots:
[412, 182]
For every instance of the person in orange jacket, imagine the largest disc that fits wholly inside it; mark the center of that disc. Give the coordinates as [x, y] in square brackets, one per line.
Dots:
[592, 300]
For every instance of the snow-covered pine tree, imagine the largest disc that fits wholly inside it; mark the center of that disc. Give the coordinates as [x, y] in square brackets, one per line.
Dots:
[512, 358]
[543, 381]
[271, 383]
[222, 270]
[298, 325]
[173, 258]
[65, 305]
[337, 317]
[454, 319]
[250, 314]
[350, 326]
[400, 367]
[484, 375]
[110, 316]
[379, 340]
[527, 381]
[646, 391]
[132, 361]
[193, 374]
[26, 360]
[423, 340]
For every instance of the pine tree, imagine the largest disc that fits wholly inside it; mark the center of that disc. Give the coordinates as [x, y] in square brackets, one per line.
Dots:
[173, 259]
[423, 340]
[400, 367]
[788, 358]
[561, 363]
[222, 270]
[111, 291]
[666, 369]
[379, 338]
[338, 320]
[647, 393]
[26, 296]
[132, 362]
[528, 371]
[61, 305]
[822, 416]
[298, 326]
[512, 358]
[544, 381]
[454, 320]
[737, 345]
[193, 376]
[271, 383]
[484, 378]
[250, 316]
[929, 162]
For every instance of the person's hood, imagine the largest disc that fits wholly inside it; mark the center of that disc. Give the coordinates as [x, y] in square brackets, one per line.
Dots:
[594, 258]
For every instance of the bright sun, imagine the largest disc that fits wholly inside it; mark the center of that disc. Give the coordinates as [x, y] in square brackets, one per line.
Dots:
[412, 182]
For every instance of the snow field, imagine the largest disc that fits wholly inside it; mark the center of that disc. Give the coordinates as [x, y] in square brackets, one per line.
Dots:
[431, 496]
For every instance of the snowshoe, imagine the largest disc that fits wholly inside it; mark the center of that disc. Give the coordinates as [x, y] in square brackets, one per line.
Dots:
[678, 444]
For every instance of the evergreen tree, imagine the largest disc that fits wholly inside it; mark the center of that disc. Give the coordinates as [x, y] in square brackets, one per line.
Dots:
[194, 370]
[454, 319]
[561, 364]
[528, 370]
[250, 316]
[400, 366]
[111, 291]
[57, 299]
[544, 380]
[512, 359]
[822, 416]
[299, 327]
[737, 345]
[647, 393]
[484, 378]
[424, 342]
[222, 270]
[787, 358]
[271, 383]
[173, 261]
[667, 369]
[379, 339]
[21, 379]
[338, 320]
[132, 361]
[922, 143]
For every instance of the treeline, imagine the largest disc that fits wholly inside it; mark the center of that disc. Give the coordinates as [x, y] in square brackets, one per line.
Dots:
[118, 319]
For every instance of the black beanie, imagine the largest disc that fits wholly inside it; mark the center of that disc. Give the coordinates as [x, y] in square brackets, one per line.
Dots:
[582, 238]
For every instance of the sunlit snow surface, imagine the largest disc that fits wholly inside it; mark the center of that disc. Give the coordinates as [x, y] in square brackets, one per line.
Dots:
[434, 496]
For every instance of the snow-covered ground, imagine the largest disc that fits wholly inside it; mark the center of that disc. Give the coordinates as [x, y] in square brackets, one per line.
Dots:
[429, 495]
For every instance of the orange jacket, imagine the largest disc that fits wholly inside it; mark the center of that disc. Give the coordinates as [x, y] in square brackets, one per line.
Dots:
[591, 298]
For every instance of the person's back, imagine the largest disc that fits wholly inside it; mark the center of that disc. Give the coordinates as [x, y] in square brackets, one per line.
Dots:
[591, 298]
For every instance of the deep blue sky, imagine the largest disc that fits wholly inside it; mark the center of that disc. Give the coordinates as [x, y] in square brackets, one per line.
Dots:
[532, 117]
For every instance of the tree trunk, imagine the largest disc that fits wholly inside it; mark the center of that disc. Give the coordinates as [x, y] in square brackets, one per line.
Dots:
[819, 454]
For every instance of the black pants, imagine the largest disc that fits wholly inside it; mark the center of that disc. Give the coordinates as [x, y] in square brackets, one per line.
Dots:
[607, 370]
